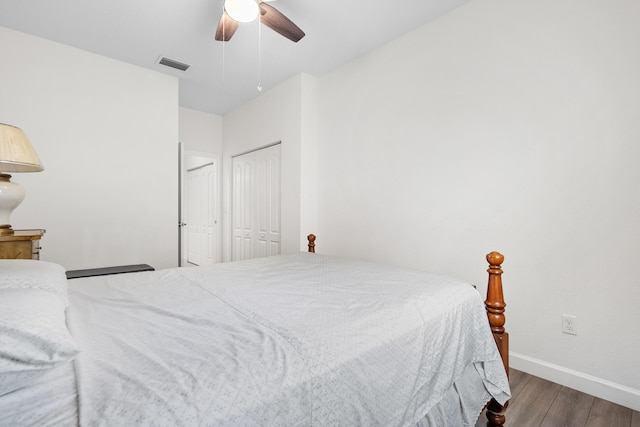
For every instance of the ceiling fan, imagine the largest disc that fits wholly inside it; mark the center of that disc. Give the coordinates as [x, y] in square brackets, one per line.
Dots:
[236, 11]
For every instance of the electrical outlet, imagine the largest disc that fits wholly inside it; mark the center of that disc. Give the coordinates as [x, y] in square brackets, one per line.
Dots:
[569, 324]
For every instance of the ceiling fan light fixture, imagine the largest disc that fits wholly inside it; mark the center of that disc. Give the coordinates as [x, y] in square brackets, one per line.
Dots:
[242, 10]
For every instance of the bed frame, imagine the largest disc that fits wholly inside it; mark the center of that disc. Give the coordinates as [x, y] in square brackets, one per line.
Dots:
[495, 312]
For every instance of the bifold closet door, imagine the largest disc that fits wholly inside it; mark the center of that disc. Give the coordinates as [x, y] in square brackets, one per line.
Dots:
[256, 203]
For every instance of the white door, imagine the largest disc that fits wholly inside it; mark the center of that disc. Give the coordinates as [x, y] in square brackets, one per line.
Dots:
[256, 203]
[201, 215]
[243, 195]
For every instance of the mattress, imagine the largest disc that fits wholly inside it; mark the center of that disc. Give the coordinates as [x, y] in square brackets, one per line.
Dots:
[293, 340]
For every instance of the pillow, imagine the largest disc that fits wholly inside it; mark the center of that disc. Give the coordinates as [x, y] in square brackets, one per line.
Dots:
[33, 330]
[31, 274]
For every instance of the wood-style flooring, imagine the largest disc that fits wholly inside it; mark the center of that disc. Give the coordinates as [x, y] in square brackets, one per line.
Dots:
[539, 403]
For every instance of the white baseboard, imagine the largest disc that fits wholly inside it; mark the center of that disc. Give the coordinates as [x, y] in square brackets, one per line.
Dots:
[607, 390]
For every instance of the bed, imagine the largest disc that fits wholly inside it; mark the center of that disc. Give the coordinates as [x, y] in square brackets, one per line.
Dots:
[291, 340]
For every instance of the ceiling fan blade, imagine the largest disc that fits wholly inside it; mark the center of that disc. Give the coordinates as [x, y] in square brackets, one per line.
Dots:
[226, 28]
[274, 19]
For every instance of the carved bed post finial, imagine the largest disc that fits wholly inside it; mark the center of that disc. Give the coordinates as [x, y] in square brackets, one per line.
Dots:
[311, 238]
[495, 299]
[495, 312]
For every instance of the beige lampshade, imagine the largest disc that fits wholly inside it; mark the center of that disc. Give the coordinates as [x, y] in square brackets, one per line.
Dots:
[16, 152]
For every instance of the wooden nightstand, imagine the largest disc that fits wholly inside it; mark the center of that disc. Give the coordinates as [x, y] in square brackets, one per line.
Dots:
[22, 244]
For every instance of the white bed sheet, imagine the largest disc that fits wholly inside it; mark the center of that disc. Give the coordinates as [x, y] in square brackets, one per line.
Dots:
[291, 340]
[48, 400]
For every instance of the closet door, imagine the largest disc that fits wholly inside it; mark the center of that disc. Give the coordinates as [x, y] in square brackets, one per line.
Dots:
[256, 203]
[243, 195]
[267, 215]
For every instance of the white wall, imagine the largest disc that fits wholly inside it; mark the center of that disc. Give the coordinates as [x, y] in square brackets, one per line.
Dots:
[506, 125]
[107, 134]
[309, 165]
[200, 131]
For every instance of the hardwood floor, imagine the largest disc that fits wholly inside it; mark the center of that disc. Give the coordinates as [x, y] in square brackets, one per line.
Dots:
[540, 403]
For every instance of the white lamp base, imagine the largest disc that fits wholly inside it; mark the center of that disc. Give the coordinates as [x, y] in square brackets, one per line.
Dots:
[11, 195]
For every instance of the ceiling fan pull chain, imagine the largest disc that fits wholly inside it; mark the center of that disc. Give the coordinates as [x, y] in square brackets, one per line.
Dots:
[259, 53]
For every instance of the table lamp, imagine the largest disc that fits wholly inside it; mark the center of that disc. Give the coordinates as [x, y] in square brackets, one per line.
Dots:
[16, 155]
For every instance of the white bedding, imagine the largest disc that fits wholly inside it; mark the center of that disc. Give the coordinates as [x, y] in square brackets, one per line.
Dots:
[50, 400]
[294, 340]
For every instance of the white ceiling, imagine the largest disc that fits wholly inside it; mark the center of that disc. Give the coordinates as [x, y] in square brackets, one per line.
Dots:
[222, 75]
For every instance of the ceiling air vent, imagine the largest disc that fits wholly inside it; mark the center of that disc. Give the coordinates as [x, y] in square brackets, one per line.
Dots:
[163, 60]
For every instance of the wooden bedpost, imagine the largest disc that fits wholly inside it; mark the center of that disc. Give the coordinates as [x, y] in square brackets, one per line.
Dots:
[495, 312]
[311, 238]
